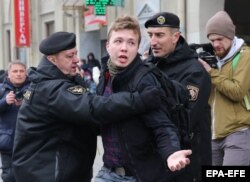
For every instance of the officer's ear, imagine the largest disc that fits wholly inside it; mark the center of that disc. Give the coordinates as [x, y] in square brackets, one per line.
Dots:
[51, 58]
[176, 36]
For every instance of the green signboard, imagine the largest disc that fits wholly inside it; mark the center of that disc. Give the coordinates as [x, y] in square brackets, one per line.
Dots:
[100, 5]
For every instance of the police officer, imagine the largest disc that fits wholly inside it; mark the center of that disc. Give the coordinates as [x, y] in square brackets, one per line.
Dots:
[172, 55]
[55, 137]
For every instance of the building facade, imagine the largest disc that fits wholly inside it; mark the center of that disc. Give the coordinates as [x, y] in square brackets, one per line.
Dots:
[77, 16]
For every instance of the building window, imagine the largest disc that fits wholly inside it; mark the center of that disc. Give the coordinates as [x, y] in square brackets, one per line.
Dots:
[50, 28]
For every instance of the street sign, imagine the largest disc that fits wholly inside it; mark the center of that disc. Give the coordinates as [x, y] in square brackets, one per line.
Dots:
[100, 5]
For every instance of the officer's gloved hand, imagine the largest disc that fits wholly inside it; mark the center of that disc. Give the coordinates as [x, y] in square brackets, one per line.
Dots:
[151, 96]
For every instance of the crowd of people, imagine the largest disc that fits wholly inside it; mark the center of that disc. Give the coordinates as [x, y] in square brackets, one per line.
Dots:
[50, 116]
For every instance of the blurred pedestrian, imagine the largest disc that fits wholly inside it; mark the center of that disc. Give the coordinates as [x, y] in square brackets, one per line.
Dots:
[82, 63]
[86, 76]
[11, 97]
[92, 61]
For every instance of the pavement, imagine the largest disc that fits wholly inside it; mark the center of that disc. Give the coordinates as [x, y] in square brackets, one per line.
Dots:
[98, 160]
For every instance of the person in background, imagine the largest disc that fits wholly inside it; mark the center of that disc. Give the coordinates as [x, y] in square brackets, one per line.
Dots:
[230, 93]
[86, 76]
[55, 137]
[11, 98]
[96, 75]
[94, 66]
[83, 64]
[171, 54]
[144, 147]
[104, 60]
[92, 61]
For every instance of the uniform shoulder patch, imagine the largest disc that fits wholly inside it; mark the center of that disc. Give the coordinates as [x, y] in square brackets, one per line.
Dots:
[194, 92]
[76, 90]
[27, 94]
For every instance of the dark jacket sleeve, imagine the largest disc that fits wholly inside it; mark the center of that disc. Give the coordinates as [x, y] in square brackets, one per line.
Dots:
[88, 109]
[118, 106]
[164, 131]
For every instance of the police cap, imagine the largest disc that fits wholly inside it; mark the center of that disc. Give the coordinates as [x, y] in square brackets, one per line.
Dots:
[57, 42]
[163, 19]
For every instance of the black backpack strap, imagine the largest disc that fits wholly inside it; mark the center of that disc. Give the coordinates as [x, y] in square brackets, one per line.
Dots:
[138, 76]
[177, 98]
[164, 80]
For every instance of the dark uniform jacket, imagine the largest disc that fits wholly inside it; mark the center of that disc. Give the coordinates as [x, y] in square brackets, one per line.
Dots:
[182, 65]
[55, 137]
[147, 140]
[8, 113]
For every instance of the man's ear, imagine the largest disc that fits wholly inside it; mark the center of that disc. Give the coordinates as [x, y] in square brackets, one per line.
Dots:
[176, 36]
[51, 58]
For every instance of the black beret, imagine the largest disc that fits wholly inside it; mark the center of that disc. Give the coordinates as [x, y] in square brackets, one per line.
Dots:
[163, 19]
[57, 42]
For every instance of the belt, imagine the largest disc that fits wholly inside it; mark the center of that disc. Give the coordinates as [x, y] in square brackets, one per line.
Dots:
[122, 171]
